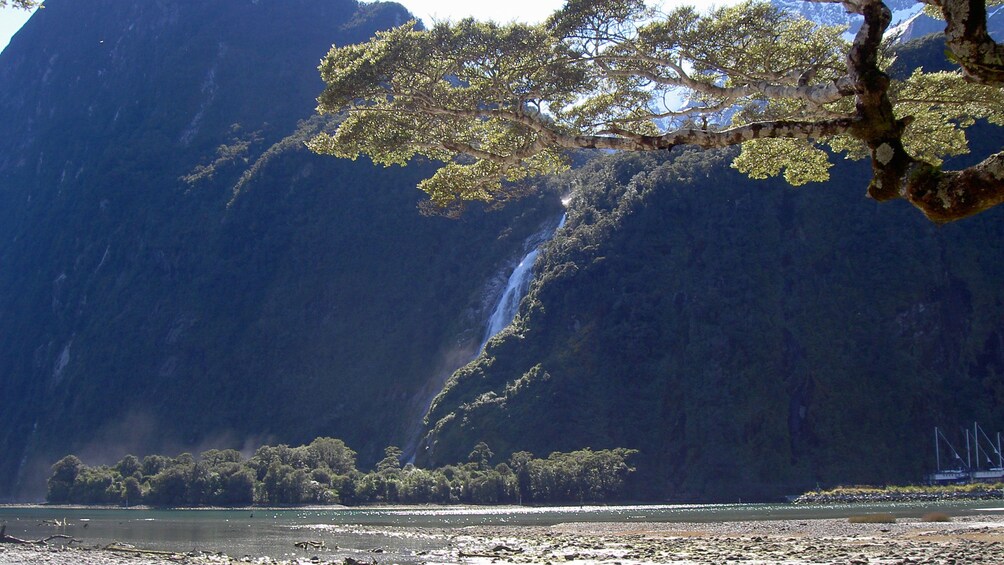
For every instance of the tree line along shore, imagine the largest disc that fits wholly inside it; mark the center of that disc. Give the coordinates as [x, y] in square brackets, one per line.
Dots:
[324, 472]
[903, 493]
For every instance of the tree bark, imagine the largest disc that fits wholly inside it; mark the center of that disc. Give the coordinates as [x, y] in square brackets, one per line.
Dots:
[952, 195]
[981, 58]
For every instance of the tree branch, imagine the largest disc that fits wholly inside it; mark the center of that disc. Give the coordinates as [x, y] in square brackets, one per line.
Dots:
[824, 93]
[981, 58]
[953, 195]
[709, 139]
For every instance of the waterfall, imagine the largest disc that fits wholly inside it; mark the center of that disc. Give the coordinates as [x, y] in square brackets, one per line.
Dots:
[501, 316]
[515, 288]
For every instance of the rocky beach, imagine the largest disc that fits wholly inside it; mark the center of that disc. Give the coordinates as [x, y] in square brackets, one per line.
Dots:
[969, 539]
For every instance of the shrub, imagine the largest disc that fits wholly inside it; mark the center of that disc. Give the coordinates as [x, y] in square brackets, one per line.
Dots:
[872, 519]
[936, 517]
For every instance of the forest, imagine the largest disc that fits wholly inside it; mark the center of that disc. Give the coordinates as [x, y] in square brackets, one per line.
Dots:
[324, 472]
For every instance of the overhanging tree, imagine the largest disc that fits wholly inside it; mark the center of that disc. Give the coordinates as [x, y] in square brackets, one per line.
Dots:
[501, 103]
[22, 4]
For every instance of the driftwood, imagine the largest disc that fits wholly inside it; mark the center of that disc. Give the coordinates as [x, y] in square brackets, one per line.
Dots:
[57, 523]
[126, 548]
[497, 551]
[120, 547]
[4, 538]
[310, 544]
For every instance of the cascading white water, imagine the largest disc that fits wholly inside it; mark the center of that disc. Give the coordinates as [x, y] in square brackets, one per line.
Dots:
[515, 288]
[501, 316]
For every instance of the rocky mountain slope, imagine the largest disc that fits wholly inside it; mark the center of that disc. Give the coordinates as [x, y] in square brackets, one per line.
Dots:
[178, 272]
[750, 339]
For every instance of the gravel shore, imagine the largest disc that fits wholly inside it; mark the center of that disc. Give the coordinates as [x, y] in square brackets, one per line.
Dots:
[971, 539]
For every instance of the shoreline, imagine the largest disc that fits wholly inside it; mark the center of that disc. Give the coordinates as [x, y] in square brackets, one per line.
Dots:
[767, 542]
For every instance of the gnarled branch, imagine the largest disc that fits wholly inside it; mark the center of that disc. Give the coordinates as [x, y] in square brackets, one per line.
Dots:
[981, 58]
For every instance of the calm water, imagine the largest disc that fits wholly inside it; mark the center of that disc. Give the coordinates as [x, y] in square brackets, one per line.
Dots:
[403, 535]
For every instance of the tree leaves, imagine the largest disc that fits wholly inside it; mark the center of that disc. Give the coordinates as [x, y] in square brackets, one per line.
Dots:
[796, 160]
[498, 104]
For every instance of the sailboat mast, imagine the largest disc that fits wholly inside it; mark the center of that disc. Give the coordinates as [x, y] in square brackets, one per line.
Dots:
[937, 453]
[969, 460]
[976, 440]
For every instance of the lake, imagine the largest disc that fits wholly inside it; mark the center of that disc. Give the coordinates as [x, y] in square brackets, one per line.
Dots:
[390, 534]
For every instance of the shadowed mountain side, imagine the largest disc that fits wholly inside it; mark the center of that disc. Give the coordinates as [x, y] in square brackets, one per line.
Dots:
[749, 339]
[145, 307]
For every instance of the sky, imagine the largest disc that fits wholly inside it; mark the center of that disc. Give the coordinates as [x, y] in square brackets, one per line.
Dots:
[428, 10]
[11, 20]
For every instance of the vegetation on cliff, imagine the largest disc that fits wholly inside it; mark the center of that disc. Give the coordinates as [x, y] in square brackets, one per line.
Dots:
[749, 346]
[180, 271]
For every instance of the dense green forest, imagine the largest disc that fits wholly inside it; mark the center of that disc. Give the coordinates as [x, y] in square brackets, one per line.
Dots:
[324, 472]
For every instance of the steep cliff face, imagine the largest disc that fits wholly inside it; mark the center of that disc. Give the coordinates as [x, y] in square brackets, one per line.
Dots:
[178, 271]
[749, 339]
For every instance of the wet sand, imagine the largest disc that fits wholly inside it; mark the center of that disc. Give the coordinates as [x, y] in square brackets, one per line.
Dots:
[971, 539]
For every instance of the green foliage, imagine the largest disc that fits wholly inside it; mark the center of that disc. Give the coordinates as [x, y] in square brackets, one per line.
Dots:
[216, 457]
[481, 455]
[459, 67]
[942, 105]
[129, 465]
[153, 464]
[132, 492]
[391, 462]
[170, 486]
[281, 475]
[800, 162]
[97, 485]
[237, 151]
[877, 493]
[64, 474]
[498, 104]
[331, 453]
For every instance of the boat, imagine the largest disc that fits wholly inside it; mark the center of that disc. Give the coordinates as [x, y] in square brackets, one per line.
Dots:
[972, 469]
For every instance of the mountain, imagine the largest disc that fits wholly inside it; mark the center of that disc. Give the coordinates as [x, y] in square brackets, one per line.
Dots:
[178, 272]
[920, 24]
[834, 14]
[909, 21]
[750, 339]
